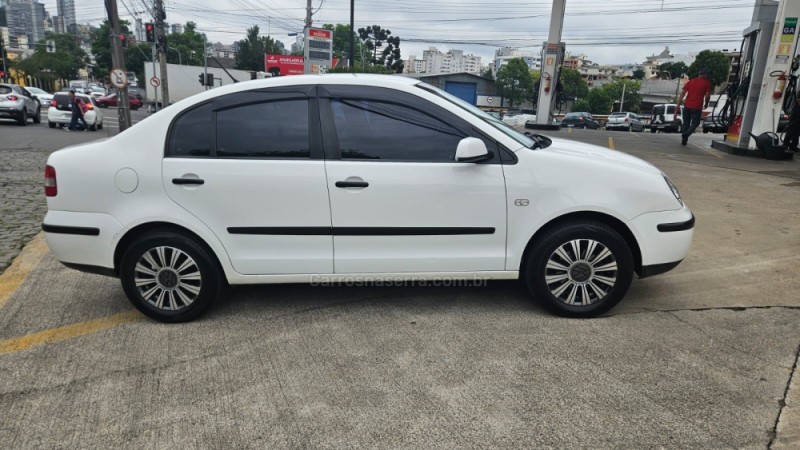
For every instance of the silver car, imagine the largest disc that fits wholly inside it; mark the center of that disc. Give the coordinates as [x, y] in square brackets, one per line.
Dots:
[17, 103]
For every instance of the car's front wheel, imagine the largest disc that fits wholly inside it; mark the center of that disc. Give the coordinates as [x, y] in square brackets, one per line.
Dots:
[169, 277]
[38, 117]
[579, 269]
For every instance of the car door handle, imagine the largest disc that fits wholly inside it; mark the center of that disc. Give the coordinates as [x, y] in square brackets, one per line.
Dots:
[353, 184]
[185, 181]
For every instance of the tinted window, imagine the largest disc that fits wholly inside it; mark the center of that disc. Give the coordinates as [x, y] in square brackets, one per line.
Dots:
[273, 129]
[191, 133]
[370, 129]
[5, 90]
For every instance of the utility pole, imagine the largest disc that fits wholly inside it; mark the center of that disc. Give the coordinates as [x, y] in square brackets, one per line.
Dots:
[352, 33]
[161, 44]
[118, 61]
[308, 13]
[205, 62]
[622, 102]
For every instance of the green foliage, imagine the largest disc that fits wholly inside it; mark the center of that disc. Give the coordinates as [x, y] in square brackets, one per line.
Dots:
[64, 63]
[675, 70]
[716, 62]
[252, 50]
[189, 44]
[136, 56]
[572, 84]
[514, 81]
[101, 47]
[341, 42]
[638, 74]
[374, 38]
[598, 102]
[633, 98]
[487, 73]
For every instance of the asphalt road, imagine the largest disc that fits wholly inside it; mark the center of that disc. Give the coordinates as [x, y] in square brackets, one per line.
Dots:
[701, 357]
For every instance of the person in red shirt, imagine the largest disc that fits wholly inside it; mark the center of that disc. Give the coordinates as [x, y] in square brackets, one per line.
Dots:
[697, 93]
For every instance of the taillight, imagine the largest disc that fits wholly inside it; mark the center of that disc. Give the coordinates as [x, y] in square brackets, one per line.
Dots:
[626, 120]
[50, 185]
[53, 103]
[13, 98]
[89, 106]
[580, 118]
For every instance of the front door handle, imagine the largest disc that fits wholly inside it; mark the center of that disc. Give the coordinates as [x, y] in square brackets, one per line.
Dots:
[188, 181]
[352, 184]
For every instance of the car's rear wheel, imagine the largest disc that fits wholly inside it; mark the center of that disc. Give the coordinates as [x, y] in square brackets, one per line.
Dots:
[51, 124]
[23, 118]
[169, 277]
[652, 130]
[579, 269]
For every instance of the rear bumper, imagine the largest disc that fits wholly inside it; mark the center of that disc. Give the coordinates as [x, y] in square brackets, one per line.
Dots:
[11, 112]
[84, 239]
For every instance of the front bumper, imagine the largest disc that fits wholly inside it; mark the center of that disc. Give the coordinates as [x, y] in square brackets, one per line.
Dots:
[80, 238]
[664, 239]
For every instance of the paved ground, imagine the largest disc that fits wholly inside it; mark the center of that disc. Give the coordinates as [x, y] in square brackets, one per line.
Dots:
[699, 357]
[23, 154]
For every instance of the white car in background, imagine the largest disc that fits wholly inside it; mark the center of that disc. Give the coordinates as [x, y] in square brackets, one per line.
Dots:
[59, 114]
[518, 118]
[97, 91]
[259, 181]
[41, 95]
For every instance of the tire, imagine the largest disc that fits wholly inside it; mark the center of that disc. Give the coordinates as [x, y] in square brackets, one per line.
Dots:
[38, 117]
[100, 126]
[593, 292]
[23, 120]
[191, 297]
[51, 124]
[652, 130]
[93, 127]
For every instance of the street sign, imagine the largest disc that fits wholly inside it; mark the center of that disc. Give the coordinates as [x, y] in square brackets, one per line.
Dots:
[155, 82]
[490, 100]
[119, 79]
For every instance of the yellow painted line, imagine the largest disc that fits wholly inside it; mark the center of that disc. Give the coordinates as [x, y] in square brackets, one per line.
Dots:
[611, 143]
[68, 332]
[14, 275]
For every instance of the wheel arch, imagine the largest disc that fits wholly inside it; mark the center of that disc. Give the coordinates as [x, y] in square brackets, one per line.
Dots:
[606, 219]
[149, 227]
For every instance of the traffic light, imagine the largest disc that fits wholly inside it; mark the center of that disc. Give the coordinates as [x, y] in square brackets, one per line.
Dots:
[123, 40]
[202, 79]
[210, 79]
[150, 32]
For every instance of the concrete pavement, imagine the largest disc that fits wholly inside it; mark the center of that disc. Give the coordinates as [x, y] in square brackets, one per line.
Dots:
[699, 357]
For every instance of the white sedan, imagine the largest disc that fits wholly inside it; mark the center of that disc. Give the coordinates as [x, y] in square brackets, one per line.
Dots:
[60, 111]
[259, 182]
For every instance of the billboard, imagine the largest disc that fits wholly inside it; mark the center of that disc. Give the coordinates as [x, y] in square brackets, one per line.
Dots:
[280, 65]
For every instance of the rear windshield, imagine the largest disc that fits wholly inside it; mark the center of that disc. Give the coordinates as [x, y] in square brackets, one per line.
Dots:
[5, 90]
[618, 115]
[573, 115]
[61, 99]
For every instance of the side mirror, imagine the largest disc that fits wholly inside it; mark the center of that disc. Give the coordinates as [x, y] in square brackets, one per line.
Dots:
[472, 150]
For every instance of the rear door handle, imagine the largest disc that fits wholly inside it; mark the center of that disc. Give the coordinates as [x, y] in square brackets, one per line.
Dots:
[352, 184]
[185, 181]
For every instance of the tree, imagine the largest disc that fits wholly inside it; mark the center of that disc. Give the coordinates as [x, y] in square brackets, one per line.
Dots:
[514, 81]
[252, 49]
[638, 74]
[716, 62]
[598, 102]
[390, 57]
[341, 42]
[101, 47]
[581, 105]
[373, 38]
[136, 56]
[675, 70]
[633, 99]
[572, 84]
[487, 73]
[64, 63]
[190, 45]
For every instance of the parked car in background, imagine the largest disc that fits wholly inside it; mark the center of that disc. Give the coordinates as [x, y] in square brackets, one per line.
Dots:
[41, 95]
[112, 100]
[713, 124]
[666, 118]
[136, 92]
[19, 104]
[627, 121]
[98, 91]
[60, 111]
[518, 117]
[580, 120]
[418, 184]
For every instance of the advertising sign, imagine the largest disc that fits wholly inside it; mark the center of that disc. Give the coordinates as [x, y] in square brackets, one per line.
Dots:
[318, 50]
[280, 65]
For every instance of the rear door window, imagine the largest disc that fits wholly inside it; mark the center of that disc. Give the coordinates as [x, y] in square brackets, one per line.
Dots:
[191, 133]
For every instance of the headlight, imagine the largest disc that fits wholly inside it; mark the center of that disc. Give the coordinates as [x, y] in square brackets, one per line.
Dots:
[673, 188]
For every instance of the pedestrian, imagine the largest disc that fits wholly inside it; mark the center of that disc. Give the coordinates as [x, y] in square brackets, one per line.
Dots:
[77, 113]
[697, 93]
[792, 132]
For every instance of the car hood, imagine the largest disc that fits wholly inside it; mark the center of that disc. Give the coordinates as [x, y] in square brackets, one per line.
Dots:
[593, 153]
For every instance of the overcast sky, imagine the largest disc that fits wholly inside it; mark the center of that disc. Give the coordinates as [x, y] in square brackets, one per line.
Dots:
[609, 31]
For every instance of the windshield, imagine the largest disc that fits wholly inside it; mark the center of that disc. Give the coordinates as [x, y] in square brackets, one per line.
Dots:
[477, 112]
